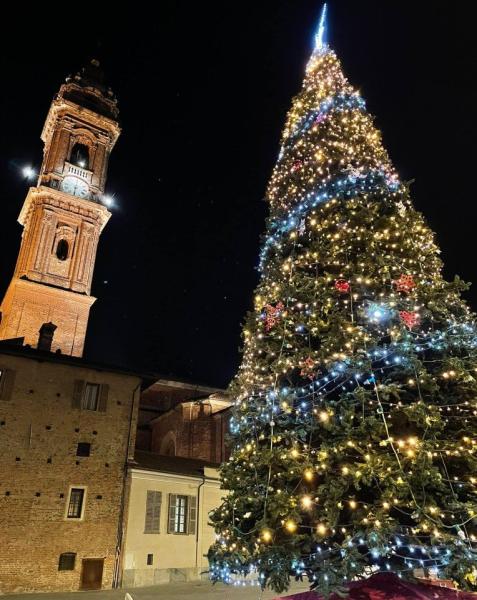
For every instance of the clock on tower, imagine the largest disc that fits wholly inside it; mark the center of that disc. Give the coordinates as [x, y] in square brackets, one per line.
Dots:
[63, 217]
[75, 186]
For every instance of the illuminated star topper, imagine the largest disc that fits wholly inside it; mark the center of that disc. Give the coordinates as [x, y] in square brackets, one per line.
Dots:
[320, 35]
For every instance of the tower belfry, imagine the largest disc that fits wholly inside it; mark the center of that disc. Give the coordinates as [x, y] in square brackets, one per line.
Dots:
[63, 217]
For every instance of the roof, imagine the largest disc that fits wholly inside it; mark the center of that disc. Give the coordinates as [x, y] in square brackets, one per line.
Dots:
[14, 347]
[223, 403]
[10, 348]
[162, 382]
[170, 464]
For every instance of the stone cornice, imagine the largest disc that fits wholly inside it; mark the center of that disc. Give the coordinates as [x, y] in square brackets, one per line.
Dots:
[53, 292]
[61, 105]
[72, 204]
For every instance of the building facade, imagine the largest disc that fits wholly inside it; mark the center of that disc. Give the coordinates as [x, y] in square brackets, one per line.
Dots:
[63, 217]
[167, 534]
[178, 418]
[67, 432]
[193, 429]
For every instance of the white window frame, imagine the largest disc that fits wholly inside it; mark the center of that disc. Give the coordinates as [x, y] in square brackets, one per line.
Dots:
[83, 506]
[181, 510]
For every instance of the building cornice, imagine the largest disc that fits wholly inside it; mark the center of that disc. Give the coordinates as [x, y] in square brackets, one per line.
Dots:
[71, 204]
[140, 473]
[61, 106]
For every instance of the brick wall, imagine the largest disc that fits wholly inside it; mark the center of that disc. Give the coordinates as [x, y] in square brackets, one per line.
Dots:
[196, 430]
[39, 432]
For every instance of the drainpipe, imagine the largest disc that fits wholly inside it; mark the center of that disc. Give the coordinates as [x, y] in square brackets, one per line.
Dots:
[198, 523]
[120, 533]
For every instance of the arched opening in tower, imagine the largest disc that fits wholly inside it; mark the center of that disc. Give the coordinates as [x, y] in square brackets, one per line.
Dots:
[80, 155]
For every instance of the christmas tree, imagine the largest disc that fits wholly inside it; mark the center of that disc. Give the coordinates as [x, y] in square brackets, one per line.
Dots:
[354, 427]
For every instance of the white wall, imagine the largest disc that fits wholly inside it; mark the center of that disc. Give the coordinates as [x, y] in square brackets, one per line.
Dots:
[176, 556]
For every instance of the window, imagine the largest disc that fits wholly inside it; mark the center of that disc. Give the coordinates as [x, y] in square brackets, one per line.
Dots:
[182, 514]
[170, 449]
[150, 558]
[153, 511]
[90, 396]
[62, 250]
[75, 503]
[7, 378]
[83, 449]
[67, 561]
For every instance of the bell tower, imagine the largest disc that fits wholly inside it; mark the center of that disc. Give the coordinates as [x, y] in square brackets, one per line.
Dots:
[63, 217]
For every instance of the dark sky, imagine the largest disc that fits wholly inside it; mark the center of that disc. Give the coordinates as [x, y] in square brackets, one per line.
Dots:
[203, 91]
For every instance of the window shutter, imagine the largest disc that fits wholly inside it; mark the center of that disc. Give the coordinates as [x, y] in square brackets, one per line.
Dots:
[103, 397]
[192, 520]
[153, 511]
[149, 511]
[172, 513]
[6, 384]
[77, 393]
[157, 511]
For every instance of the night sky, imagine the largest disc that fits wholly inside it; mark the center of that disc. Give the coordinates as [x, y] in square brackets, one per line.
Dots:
[203, 91]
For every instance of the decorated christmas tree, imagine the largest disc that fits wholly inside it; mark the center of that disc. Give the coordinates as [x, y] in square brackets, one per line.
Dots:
[354, 427]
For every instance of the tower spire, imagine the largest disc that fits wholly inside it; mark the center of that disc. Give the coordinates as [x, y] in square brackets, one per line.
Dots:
[321, 33]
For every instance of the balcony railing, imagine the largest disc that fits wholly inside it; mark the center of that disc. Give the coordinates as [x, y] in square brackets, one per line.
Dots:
[78, 171]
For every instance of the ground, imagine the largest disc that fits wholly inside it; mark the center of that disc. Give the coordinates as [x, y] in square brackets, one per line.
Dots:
[200, 590]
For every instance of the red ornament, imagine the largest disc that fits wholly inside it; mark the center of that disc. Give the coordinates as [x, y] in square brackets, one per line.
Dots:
[272, 315]
[307, 369]
[405, 284]
[297, 165]
[342, 286]
[410, 319]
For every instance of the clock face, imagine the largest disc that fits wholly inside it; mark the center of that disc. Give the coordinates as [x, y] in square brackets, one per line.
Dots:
[75, 186]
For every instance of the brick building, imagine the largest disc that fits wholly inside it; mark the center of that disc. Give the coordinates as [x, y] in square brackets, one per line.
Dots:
[178, 418]
[67, 432]
[193, 429]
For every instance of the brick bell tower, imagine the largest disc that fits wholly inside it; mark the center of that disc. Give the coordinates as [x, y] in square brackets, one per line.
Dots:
[63, 217]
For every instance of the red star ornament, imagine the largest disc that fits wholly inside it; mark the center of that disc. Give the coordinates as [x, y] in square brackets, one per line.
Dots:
[307, 369]
[272, 315]
[405, 283]
[410, 319]
[297, 165]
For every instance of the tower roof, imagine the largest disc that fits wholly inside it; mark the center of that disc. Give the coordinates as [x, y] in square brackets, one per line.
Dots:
[87, 89]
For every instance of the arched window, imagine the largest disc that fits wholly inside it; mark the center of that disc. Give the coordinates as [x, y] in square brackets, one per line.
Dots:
[168, 444]
[80, 155]
[62, 250]
[170, 449]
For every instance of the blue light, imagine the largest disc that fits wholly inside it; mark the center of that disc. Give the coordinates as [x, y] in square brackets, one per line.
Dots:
[377, 312]
[319, 37]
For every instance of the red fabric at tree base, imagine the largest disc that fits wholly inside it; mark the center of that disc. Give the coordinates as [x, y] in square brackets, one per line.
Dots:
[387, 586]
